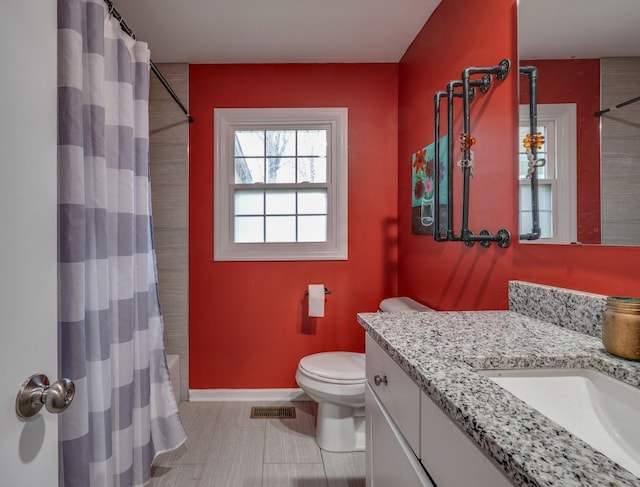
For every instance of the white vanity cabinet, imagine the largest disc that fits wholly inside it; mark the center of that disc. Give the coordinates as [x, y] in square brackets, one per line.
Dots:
[408, 435]
[392, 405]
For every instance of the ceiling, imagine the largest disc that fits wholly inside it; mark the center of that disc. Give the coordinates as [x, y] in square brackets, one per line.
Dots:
[361, 31]
[276, 31]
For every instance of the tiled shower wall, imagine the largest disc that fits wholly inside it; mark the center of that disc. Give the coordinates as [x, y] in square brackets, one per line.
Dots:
[168, 149]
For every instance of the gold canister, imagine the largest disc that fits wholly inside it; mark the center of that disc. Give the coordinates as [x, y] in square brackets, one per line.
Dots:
[621, 327]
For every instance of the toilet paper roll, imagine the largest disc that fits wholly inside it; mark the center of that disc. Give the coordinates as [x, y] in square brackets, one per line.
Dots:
[316, 300]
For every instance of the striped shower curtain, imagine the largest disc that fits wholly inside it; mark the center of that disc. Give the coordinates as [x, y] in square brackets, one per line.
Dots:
[110, 323]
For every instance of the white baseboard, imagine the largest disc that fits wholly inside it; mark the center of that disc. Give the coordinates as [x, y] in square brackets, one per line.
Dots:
[295, 394]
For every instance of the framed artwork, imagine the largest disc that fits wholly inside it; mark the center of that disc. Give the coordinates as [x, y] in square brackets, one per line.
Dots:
[424, 201]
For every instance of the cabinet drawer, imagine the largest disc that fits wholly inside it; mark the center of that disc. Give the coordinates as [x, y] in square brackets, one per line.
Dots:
[398, 393]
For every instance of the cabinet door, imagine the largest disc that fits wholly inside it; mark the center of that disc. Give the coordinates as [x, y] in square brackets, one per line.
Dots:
[390, 460]
[450, 456]
[399, 395]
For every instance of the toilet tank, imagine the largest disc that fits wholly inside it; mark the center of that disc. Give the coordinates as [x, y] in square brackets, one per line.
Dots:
[400, 304]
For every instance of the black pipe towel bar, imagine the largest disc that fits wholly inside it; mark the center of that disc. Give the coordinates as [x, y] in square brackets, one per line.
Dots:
[502, 237]
[483, 85]
[127, 30]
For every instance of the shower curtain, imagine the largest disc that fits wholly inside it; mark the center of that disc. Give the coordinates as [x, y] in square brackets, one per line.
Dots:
[110, 322]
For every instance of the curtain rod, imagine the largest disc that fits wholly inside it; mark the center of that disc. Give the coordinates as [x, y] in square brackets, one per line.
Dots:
[127, 30]
[620, 105]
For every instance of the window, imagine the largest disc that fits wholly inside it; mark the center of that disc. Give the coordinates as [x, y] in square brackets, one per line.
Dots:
[556, 179]
[280, 180]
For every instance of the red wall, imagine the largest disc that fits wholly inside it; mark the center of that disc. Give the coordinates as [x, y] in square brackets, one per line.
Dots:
[460, 34]
[450, 275]
[247, 323]
[577, 81]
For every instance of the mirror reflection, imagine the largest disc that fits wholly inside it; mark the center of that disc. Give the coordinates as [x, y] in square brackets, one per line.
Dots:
[588, 59]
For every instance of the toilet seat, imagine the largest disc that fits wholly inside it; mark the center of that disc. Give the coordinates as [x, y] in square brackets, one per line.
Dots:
[335, 367]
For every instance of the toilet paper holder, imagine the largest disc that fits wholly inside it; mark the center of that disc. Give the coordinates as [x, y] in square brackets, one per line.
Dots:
[326, 291]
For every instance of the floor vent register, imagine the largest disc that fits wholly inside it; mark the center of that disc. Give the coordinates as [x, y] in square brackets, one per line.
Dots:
[258, 412]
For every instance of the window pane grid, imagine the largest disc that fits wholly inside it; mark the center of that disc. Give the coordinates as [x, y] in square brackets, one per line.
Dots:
[302, 169]
[287, 173]
[280, 156]
[280, 215]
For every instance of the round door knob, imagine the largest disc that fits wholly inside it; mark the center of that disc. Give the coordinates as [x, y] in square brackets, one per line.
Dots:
[380, 380]
[59, 395]
[36, 392]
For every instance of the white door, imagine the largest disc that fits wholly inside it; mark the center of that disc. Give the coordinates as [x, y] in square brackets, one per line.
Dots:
[28, 248]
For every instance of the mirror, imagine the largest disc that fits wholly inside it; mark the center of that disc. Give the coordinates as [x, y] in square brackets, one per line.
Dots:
[588, 57]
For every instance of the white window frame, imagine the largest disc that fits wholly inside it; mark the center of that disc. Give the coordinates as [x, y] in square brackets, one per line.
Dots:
[226, 122]
[564, 181]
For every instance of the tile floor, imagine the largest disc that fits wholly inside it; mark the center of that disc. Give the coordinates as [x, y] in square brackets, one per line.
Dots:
[226, 448]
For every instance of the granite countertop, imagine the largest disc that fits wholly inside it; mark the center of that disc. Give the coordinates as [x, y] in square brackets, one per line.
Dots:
[442, 350]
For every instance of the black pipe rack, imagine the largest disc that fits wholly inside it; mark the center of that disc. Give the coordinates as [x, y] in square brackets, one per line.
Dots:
[469, 91]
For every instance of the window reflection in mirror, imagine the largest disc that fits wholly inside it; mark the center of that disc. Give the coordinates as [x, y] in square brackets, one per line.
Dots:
[556, 178]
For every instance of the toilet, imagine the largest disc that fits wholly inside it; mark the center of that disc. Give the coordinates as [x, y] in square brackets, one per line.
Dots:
[335, 380]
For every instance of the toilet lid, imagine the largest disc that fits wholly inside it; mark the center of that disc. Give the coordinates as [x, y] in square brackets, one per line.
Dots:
[335, 365]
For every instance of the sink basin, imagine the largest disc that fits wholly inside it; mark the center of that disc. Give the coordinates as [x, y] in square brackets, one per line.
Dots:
[601, 410]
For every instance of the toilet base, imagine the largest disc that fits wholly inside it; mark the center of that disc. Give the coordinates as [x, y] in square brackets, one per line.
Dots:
[340, 428]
